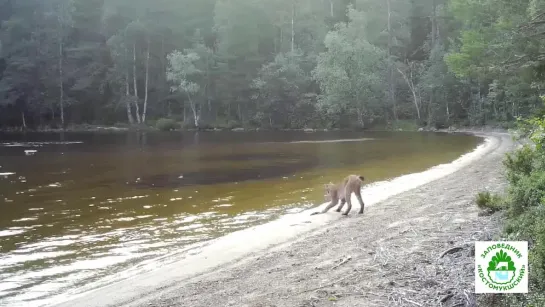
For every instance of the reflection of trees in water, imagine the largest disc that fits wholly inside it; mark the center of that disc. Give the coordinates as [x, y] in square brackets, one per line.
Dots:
[217, 176]
[333, 155]
[249, 156]
[143, 139]
[196, 138]
[136, 139]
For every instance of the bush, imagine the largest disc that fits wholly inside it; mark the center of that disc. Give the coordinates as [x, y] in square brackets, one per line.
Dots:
[536, 257]
[525, 203]
[228, 124]
[526, 219]
[519, 164]
[166, 124]
[187, 125]
[530, 226]
[488, 201]
[526, 193]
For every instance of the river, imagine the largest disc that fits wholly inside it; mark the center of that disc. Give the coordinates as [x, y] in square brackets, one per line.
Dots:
[85, 206]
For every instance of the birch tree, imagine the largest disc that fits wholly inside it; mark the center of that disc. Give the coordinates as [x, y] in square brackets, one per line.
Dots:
[181, 70]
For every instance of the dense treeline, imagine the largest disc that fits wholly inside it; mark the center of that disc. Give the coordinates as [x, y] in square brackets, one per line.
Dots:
[271, 64]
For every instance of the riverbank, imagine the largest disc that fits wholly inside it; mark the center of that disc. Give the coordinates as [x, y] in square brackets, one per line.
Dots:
[391, 253]
[151, 127]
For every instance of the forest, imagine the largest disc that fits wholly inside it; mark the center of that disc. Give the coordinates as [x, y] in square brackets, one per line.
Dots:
[278, 64]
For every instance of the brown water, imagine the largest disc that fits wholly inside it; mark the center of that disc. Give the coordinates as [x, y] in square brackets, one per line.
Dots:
[86, 206]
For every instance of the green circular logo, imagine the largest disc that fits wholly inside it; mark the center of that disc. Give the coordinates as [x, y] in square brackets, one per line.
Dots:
[502, 272]
[501, 269]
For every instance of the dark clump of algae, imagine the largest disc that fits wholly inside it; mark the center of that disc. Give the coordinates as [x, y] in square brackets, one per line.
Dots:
[75, 213]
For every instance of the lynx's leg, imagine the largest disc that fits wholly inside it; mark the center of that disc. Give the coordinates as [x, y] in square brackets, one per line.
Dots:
[333, 202]
[358, 195]
[339, 208]
[348, 204]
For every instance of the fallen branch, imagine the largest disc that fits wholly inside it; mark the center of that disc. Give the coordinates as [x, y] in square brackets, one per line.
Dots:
[329, 284]
[352, 294]
[446, 297]
[342, 262]
[412, 302]
[451, 251]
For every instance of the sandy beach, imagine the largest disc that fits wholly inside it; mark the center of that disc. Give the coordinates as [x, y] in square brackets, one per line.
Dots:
[413, 246]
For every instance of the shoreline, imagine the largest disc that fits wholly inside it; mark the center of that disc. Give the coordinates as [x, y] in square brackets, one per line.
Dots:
[263, 239]
[84, 128]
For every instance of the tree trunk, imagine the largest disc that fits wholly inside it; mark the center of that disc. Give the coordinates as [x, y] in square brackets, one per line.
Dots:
[513, 109]
[433, 46]
[360, 118]
[275, 47]
[481, 115]
[128, 98]
[430, 109]
[331, 8]
[207, 91]
[433, 24]
[185, 114]
[196, 115]
[281, 39]
[229, 110]
[61, 85]
[146, 84]
[293, 26]
[448, 112]
[494, 108]
[163, 65]
[413, 91]
[135, 83]
[61, 22]
[23, 119]
[416, 105]
[197, 118]
[391, 85]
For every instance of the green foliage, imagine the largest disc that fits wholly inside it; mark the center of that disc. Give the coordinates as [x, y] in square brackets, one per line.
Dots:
[489, 201]
[525, 202]
[166, 124]
[527, 192]
[467, 62]
[275, 63]
[405, 125]
[277, 83]
[349, 72]
[519, 164]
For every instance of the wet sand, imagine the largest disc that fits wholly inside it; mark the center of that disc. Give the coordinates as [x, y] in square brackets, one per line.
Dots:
[387, 256]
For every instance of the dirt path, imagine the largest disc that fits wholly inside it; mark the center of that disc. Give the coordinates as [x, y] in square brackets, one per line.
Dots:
[390, 256]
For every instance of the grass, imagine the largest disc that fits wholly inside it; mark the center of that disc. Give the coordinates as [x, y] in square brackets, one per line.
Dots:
[490, 202]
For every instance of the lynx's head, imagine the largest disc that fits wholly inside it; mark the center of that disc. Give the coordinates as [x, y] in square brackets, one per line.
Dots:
[329, 189]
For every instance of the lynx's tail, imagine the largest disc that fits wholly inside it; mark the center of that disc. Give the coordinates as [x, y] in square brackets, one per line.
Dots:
[361, 178]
